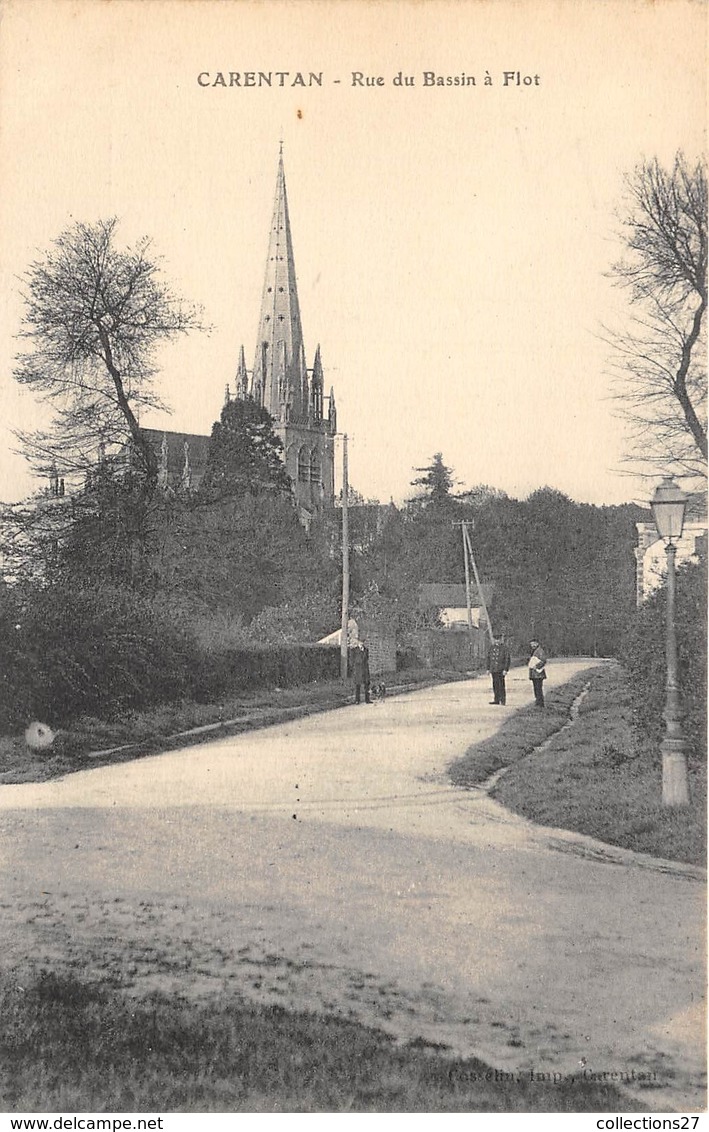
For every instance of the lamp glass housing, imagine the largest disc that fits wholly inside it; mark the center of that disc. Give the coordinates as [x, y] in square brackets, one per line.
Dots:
[668, 506]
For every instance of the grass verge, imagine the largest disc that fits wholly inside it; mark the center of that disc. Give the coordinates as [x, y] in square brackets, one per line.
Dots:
[519, 735]
[72, 1046]
[154, 729]
[597, 778]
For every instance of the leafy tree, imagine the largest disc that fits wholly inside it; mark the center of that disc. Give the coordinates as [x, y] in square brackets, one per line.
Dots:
[436, 481]
[95, 315]
[241, 553]
[660, 360]
[562, 571]
[245, 454]
[307, 618]
[107, 529]
[481, 493]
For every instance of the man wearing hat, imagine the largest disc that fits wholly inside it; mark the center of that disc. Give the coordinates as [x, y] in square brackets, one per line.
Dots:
[537, 672]
[498, 663]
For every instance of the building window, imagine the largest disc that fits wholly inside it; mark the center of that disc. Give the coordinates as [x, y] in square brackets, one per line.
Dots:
[315, 469]
[303, 466]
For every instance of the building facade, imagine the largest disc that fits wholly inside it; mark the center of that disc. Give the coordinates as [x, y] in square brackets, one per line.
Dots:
[651, 554]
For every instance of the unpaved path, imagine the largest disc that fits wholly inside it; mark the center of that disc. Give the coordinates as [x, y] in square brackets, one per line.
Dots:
[328, 864]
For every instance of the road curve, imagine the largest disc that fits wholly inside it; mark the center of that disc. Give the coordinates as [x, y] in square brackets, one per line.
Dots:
[328, 864]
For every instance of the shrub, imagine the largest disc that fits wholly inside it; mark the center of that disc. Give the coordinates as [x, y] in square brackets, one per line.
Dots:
[304, 618]
[14, 663]
[247, 669]
[643, 655]
[91, 650]
[101, 651]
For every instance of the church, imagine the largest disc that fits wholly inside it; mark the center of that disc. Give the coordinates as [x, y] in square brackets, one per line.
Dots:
[305, 419]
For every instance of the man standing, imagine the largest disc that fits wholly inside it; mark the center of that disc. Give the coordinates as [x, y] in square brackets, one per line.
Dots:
[537, 671]
[498, 664]
[360, 671]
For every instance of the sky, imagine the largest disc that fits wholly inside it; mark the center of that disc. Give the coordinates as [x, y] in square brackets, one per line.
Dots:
[451, 242]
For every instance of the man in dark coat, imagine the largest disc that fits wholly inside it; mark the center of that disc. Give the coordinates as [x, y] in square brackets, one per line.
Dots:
[360, 671]
[498, 665]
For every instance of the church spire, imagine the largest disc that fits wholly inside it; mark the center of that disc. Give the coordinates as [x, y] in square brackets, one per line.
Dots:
[242, 377]
[317, 386]
[280, 337]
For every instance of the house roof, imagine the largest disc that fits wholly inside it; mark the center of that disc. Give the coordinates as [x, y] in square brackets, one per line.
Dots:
[198, 448]
[451, 595]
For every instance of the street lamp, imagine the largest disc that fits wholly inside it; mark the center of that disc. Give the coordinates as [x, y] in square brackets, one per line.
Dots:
[668, 505]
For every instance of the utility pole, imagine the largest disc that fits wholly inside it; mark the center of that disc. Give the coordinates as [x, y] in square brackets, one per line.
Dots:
[467, 584]
[466, 538]
[345, 562]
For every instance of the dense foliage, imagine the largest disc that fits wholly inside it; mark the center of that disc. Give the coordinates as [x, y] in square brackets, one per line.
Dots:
[245, 455]
[643, 654]
[283, 666]
[108, 626]
[561, 571]
[105, 650]
[245, 554]
[93, 650]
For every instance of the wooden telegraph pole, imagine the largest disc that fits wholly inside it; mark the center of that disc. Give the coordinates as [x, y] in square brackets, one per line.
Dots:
[467, 585]
[466, 537]
[345, 563]
[468, 561]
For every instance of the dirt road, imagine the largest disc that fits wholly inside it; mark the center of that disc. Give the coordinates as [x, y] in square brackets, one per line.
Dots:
[328, 864]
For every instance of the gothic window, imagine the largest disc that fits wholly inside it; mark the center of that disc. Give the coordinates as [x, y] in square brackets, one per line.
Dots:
[315, 469]
[317, 402]
[303, 465]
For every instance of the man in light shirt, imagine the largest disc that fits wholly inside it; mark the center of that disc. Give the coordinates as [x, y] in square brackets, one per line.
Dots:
[537, 672]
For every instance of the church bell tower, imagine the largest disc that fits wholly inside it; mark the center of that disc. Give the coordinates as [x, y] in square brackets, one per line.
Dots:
[281, 381]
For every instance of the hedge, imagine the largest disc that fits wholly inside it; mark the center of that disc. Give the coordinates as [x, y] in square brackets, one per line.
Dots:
[643, 655]
[88, 650]
[243, 669]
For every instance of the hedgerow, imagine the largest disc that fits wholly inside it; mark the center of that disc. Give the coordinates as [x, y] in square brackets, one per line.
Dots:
[100, 651]
[643, 655]
[89, 650]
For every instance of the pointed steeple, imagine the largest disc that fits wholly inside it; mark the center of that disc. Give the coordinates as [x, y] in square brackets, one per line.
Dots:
[280, 336]
[316, 386]
[242, 377]
[332, 412]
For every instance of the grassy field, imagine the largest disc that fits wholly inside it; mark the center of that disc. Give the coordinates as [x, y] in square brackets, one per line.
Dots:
[519, 735]
[594, 777]
[158, 728]
[598, 779]
[70, 1046]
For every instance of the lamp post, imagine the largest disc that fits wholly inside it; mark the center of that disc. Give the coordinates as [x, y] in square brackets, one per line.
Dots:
[668, 504]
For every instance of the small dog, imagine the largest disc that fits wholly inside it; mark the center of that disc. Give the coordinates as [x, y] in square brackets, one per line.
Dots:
[378, 691]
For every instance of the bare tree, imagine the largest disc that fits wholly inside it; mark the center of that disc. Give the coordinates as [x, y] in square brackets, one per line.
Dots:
[94, 317]
[660, 358]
